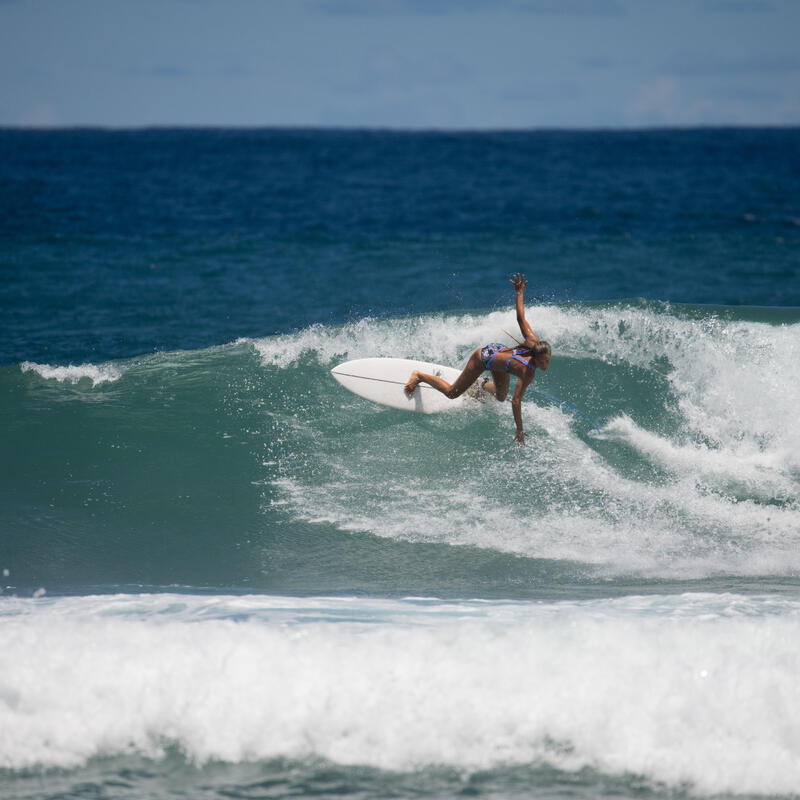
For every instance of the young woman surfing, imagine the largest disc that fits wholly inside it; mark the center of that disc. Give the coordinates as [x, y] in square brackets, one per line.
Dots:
[503, 362]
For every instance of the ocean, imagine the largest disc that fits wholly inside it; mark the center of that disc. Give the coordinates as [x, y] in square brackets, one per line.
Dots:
[224, 576]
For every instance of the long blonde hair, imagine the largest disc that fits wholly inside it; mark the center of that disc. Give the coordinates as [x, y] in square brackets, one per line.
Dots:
[540, 348]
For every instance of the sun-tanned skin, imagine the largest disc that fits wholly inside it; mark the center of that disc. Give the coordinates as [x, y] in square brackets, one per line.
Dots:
[500, 377]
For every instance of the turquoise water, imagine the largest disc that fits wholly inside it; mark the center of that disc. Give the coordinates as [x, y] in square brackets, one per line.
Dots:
[223, 575]
[246, 467]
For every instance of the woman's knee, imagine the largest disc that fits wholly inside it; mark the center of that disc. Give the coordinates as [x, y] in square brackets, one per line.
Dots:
[501, 384]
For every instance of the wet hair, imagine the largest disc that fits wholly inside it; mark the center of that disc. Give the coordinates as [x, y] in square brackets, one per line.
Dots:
[540, 348]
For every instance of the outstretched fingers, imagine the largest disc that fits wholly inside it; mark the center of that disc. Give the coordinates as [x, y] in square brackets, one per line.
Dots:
[519, 281]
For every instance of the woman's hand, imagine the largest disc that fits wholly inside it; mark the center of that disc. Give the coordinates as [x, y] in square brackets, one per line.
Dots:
[520, 437]
[519, 282]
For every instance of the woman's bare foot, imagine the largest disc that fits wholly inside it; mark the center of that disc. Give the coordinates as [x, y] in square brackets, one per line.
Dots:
[412, 384]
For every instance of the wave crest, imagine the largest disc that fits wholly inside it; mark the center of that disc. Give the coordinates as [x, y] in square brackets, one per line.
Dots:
[96, 373]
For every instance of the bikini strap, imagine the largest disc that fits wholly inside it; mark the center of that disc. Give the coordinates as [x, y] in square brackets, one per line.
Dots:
[521, 361]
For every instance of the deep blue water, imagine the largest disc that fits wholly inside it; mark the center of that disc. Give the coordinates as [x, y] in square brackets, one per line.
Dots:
[223, 575]
[119, 243]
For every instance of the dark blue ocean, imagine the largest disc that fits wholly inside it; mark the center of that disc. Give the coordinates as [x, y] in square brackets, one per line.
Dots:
[223, 575]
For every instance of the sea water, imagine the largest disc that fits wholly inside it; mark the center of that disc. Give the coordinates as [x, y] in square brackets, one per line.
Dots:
[225, 576]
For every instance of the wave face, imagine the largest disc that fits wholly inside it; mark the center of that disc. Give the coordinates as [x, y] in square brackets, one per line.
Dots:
[678, 694]
[246, 466]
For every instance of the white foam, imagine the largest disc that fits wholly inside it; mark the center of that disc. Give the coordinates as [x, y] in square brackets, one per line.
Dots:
[759, 471]
[693, 689]
[734, 381]
[559, 501]
[96, 373]
[723, 497]
[446, 339]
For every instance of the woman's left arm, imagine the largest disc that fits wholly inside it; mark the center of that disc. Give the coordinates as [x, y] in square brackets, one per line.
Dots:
[516, 406]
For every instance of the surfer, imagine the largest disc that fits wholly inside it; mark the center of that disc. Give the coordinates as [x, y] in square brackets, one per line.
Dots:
[503, 362]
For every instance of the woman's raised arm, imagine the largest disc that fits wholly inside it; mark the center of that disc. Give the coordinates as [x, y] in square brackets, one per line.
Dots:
[519, 287]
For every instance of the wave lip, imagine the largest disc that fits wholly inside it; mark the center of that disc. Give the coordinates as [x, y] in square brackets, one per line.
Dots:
[692, 689]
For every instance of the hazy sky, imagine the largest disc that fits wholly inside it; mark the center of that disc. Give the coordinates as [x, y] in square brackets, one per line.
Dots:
[400, 63]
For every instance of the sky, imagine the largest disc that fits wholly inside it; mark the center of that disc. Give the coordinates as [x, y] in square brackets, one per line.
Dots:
[418, 64]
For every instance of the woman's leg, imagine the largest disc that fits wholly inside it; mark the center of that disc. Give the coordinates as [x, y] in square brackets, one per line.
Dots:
[452, 390]
[501, 381]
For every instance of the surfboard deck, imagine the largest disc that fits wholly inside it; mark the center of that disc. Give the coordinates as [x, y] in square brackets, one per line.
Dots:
[382, 380]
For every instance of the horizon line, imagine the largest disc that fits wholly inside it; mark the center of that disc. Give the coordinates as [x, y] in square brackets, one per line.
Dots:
[397, 128]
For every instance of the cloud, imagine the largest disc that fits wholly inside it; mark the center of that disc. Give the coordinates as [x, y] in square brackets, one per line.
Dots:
[740, 6]
[429, 7]
[771, 64]
[552, 94]
[384, 7]
[169, 71]
[40, 115]
[668, 101]
[748, 94]
[593, 8]
[657, 101]
[602, 62]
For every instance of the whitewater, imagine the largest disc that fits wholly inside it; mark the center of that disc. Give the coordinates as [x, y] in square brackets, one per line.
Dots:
[694, 689]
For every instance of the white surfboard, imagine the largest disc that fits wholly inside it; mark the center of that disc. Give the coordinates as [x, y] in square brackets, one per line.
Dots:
[382, 380]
